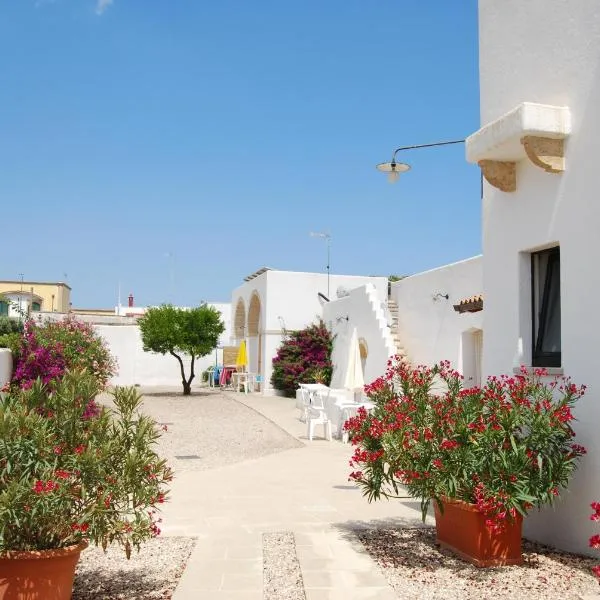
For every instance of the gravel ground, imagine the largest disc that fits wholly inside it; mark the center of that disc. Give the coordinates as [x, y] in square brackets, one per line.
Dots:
[151, 574]
[215, 429]
[281, 569]
[418, 570]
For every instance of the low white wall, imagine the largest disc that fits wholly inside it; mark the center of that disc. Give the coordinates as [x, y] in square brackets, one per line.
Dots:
[363, 307]
[146, 368]
[6, 365]
[429, 327]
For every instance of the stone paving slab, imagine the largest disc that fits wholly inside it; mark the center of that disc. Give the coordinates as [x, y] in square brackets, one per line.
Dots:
[304, 490]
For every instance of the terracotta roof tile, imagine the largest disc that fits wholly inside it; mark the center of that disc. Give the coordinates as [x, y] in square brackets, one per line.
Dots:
[472, 304]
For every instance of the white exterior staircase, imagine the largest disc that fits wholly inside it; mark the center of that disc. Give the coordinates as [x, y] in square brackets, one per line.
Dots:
[392, 307]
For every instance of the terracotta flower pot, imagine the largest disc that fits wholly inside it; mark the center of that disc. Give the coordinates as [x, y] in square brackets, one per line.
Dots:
[39, 574]
[461, 528]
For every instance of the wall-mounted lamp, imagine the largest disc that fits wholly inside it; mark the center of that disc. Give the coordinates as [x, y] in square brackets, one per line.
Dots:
[438, 295]
[340, 319]
[393, 169]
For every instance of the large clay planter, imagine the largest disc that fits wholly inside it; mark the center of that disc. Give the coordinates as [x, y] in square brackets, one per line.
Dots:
[461, 528]
[39, 574]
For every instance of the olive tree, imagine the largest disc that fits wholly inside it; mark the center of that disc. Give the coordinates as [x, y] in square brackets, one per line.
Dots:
[178, 331]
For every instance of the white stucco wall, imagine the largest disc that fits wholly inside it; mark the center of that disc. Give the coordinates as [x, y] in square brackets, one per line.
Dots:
[288, 300]
[146, 368]
[429, 327]
[6, 365]
[363, 307]
[547, 51]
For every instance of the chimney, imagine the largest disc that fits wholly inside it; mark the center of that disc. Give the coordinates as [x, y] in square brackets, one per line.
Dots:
[130, 300]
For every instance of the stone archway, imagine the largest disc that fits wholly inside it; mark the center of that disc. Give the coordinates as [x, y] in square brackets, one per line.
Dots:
[239, 322]
[254, 322]
[254, 315]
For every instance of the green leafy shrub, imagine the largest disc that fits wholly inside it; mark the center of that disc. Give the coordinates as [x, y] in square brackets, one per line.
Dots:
[10, 332]
[10, 325]
[303, 357]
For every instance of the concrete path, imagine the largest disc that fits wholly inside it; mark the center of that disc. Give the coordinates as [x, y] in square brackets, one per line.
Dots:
[303, 490]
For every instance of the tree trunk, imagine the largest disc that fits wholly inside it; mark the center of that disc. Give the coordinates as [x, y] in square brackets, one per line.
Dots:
[187, 385]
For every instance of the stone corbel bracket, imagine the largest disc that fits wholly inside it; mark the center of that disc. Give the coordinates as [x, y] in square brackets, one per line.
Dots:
[530, 131]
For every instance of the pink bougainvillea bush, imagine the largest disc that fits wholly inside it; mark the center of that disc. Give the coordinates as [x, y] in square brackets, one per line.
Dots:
[68, 474]
[47, 350]
[303, 357]
[506, 446]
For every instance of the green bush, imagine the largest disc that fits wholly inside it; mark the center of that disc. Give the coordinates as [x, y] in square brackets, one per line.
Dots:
[10, 325]
[303, 357]
[10, 333]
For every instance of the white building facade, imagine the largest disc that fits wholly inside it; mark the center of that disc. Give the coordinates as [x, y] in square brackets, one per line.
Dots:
[540, 93]
[271, 302]
[431, 329]
[365, 310]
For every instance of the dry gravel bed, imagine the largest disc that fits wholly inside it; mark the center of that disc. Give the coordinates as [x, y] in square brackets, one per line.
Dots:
[215, 429]
[150, 575]
[418, 570]
[281, 569]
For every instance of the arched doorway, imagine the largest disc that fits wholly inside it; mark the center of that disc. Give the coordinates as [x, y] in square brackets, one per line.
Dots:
[239, 321]
[255, 339]
[471, 355]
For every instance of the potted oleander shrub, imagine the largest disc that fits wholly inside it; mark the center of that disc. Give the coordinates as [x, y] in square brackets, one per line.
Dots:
[72, 472]
[485, 456]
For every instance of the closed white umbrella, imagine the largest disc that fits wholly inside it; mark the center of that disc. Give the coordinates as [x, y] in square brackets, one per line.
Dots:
[354, 380]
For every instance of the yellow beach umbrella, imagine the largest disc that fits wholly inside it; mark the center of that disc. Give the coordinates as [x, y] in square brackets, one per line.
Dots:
[241, 360]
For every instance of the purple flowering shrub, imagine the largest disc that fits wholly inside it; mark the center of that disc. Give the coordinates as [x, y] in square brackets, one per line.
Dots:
[303, 357]
[49, 349]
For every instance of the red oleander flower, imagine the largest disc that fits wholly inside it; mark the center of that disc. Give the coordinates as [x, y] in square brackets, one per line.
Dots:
[449, 444]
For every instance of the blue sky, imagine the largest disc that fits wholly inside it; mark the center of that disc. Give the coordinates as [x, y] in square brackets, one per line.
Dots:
[178, 146]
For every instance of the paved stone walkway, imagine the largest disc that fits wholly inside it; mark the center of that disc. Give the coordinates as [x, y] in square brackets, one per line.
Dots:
[304, 490]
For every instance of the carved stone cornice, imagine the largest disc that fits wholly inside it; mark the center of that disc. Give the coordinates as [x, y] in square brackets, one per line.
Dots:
[530, 131]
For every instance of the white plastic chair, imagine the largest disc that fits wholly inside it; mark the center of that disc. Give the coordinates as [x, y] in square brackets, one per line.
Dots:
[317, 415]
[305, 401]
[211, 375]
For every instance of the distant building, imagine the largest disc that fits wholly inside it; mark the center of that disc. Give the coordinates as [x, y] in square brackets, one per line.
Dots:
[24, 297]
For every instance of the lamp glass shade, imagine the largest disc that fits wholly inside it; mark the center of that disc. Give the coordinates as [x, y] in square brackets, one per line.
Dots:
[393, 167]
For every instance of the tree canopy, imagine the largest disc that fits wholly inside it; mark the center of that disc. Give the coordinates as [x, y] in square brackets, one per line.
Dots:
[178, 331]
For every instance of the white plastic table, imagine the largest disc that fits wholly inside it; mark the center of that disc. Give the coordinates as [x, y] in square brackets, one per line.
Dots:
[248, 380]
[347, 410]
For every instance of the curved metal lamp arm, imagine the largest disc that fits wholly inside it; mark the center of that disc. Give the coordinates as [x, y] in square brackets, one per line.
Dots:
[393, 161]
